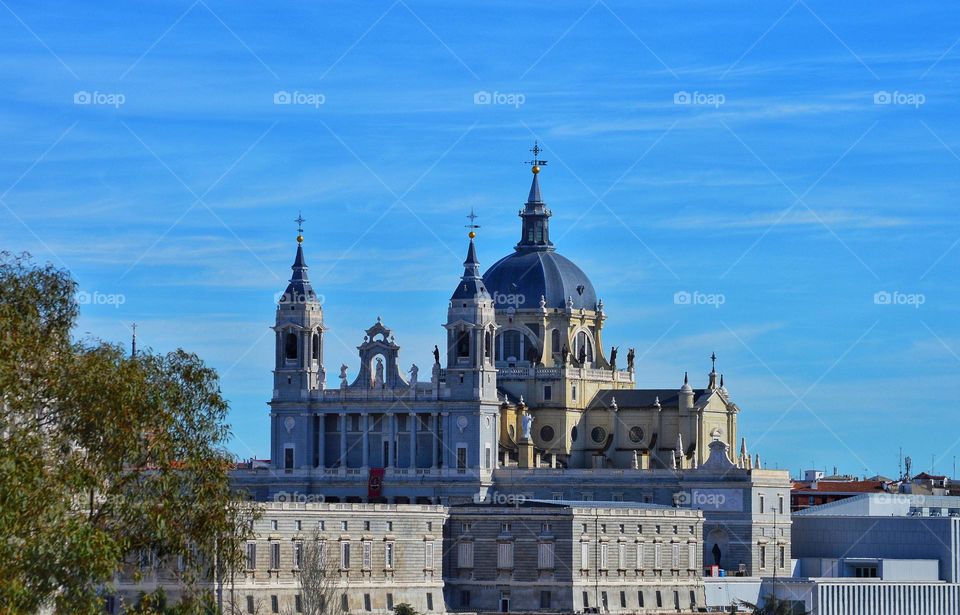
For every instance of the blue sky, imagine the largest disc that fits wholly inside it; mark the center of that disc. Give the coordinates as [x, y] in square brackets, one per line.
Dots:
[814, 165]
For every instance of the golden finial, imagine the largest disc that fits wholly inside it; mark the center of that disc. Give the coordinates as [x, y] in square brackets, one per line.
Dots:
[472, 224]
[300, 220]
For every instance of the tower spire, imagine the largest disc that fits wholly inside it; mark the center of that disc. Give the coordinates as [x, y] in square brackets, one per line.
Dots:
[536, 217]
[299, 290]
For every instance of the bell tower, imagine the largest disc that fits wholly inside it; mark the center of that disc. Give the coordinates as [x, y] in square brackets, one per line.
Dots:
[471, 330]
[299, 334]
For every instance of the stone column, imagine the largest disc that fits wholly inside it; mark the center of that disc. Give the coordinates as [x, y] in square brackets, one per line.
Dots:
[388, 418]
[444, 437]
[321, 441]
[365, 434]
[413, 439]
[343, 442]
[435, 421]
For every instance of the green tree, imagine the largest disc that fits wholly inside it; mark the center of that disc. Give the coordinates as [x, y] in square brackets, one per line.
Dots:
[404, 609]
[102, 455]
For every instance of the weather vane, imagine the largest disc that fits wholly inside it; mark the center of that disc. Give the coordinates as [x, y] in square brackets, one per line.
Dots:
[300, 220]
[536, 162]
[473, 225]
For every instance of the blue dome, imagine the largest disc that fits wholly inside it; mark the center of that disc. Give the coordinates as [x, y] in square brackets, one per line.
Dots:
[520, 279]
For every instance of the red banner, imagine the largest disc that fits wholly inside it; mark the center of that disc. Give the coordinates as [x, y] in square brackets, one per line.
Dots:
[375, 483]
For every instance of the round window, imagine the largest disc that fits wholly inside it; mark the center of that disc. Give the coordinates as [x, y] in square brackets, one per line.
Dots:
[599, 434]
[636, 434]
[547, 433]
[573, 434]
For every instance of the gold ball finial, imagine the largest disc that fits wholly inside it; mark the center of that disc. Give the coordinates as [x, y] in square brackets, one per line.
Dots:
[535, 169]
[299, 238]
[471, 234]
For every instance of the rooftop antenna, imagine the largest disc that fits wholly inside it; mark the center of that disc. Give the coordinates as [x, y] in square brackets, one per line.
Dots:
[900, 464]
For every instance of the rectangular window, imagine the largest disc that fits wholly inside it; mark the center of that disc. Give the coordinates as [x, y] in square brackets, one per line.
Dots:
[659, 599]
[504, 528]
[783, 556]
[622, 556]
[640, 556]
[428, 555]
[461, 459]
[762, 500]
[273, 524]
[780, 503]
[603, 556]
[505, 555]
[545, 556]
[676, 556]
[465, 598]
[366, 526]
[584, 555]
[366, 603]
[275, 555]
[429, 601]
[545, 600]
[388, 555]
[586, 600]
[344, 555]
[763, 557]
[545, 528]
[344, 602]
[251, 556]
[298, 554]
[344, 525]
[298, 603]
[250, 607]
[657, 556]
[322, 554]
[573, 392]
[298, 525]
[288, 458]
[367, 554]
[487, 457]
[640, 598]
[623, 600]
[389, 526]
[390, 601]
[691, 555]
[465, 555]
[547, 393]
[274, 604]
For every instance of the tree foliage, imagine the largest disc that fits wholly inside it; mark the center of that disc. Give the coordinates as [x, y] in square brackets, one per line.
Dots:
[101, 454]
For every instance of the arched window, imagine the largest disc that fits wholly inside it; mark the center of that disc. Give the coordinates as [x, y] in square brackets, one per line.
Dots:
[463, 342]
[290, 346]
[510, 347]
[583, 340]
[555, 341]
[316, 346]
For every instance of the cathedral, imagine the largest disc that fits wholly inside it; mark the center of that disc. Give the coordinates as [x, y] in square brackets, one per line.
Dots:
[522, 399]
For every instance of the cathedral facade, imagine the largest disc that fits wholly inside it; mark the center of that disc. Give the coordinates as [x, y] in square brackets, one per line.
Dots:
[521, 398]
